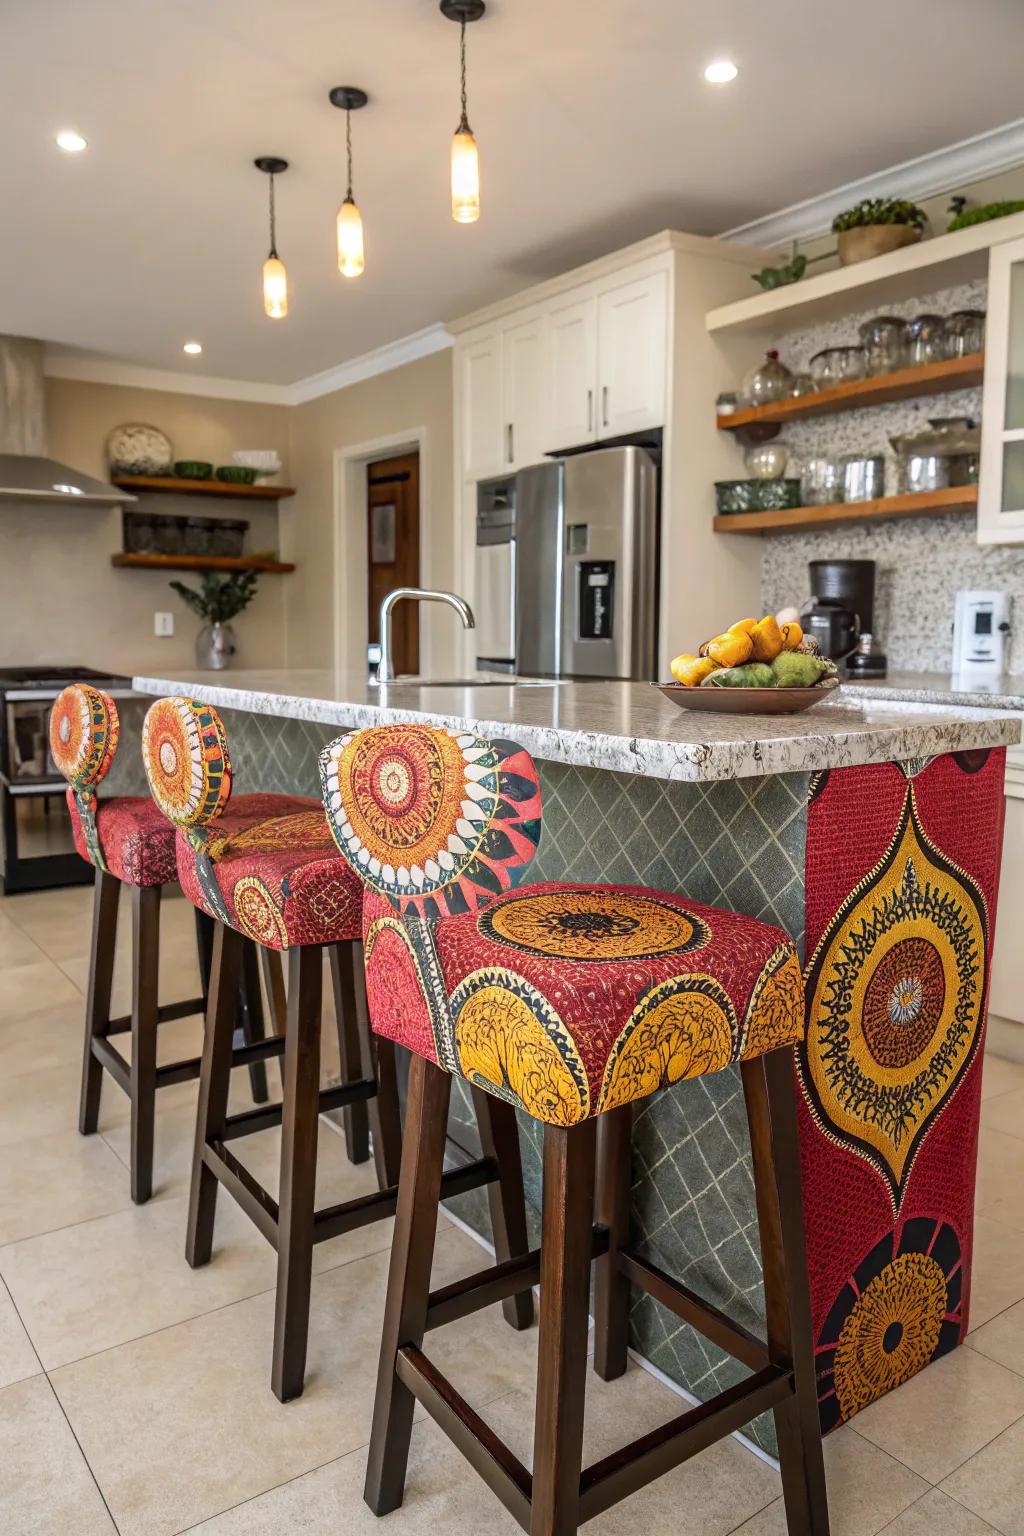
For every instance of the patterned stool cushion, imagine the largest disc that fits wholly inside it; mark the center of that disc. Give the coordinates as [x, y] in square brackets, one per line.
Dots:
[574, 999]
[84, 732]
[136, 839]
[270, 869]
[185, 753]
[565, 999]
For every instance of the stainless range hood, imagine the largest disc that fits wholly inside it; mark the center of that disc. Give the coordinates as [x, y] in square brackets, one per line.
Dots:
[26, 474]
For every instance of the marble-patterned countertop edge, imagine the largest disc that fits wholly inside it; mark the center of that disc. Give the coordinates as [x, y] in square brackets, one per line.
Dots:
[693, 748]
[937, 688]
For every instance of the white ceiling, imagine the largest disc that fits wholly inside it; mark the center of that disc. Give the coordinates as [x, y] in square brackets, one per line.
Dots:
[594, 124]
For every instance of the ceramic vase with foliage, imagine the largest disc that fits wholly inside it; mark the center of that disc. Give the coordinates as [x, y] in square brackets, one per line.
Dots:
[877, 226]
[218, 601]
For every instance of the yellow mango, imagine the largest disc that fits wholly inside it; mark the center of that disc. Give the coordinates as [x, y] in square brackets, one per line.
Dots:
[745, 626]
[792, 635]
[766, 639]
[692, 670]
[730, 649]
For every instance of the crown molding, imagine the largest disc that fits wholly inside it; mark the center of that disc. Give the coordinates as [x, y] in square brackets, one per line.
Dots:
[89, 368]
[926, 176]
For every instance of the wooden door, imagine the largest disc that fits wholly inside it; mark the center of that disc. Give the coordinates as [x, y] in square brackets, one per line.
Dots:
[631, 349]
[393, 550]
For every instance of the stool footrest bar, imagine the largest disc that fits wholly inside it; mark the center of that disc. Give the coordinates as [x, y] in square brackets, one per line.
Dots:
[488, 1285]
[503, 1472]
[164, 1015]
[700, 1314]
[178, 1072]
[260, 1207]
[634, 1466]
[337, 1219]
[113, 1062]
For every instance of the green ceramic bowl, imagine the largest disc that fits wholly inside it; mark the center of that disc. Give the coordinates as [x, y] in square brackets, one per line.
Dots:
[236, 474]
[193, 469]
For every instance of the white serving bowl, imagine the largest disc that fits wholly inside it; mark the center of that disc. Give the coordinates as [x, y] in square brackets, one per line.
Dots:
[265, 461]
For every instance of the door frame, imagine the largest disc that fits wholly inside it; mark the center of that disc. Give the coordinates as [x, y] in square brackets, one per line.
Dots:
[350, 543]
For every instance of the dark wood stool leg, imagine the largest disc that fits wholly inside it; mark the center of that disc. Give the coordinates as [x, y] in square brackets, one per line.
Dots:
[611, 1289]
[214, 1082]
[355, 1118]
[768, 1085]
[273, 982]
[385, 1109]
[299, 1125]
[253, 1025]
[565, 1248]
[412, 1252]
[103, 944]
[499, 1138]
[145, 1020]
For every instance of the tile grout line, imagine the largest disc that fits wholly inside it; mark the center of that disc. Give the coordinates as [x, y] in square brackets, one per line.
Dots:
[852, 1424]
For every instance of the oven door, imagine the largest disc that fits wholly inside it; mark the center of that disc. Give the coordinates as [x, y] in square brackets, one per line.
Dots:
[38, 846]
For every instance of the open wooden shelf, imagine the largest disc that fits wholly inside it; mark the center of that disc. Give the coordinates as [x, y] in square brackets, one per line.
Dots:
[961, 498]
[201, 563]
[172, 485]
[905, 384]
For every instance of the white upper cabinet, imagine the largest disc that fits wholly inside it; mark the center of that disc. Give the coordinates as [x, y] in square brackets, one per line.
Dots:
[1001, 488]
[524, 392]
[481, 413]
[572, 362]
[632, 321]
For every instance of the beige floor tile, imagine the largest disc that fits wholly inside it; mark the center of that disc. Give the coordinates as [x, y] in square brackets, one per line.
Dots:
[1000, 1188]
[866, 1490]
[32, 1042]
[18, 1359]
[706, 1497]
[182, 1424]
[997, 1279]
[53, 1181]
[1003, 1338]
[992, 1483]
[45, 1485]
[102, 1283]
[936, 1514]
[1000, 1075]
[1005, 1112]
[36, 988]
[16, 948]
[937, 1420]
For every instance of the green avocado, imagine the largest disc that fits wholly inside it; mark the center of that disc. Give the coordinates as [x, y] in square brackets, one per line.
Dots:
[753, 674]
[793, 669]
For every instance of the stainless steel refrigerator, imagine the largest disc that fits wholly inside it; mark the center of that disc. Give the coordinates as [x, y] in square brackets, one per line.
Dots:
[586, 566]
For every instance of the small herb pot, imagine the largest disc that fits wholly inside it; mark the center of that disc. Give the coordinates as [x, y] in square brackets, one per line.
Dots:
[867, 240]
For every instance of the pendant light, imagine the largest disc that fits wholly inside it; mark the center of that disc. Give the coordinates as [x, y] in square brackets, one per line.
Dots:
[275, 278]
[465, 168]
[351, 260]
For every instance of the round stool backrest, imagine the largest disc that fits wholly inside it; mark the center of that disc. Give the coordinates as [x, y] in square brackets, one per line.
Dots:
[185, 753]
[436, 821]
[84, 731]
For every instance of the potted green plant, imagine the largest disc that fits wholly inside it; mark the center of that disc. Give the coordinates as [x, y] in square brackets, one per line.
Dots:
[877, 225]
[218, 601]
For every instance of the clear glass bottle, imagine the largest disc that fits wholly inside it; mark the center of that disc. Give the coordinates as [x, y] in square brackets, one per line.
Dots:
[769, 382]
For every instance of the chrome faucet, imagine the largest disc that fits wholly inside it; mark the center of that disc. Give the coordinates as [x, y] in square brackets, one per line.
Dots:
[386, 669]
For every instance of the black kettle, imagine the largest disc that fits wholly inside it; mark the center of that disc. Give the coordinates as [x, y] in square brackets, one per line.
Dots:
[835, 627]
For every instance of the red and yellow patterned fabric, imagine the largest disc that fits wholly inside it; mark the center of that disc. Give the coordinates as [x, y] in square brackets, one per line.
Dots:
[185, 753]
[136, 840]
[84, 731]
[902, 875]
[437, 822]
[270, 869]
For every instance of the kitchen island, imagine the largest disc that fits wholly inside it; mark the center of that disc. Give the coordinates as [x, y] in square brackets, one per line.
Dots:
[869, 832]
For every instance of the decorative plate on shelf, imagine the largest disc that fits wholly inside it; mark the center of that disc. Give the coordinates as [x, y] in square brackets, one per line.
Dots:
[748, 701]
[138, 449]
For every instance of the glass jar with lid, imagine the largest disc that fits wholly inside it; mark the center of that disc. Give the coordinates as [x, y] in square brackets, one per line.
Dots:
[965, 333]
[885, 344]
[836, 365]
[769, 382]
[926, 339]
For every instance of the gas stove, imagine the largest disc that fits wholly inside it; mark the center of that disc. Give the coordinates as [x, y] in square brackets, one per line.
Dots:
[54, 676]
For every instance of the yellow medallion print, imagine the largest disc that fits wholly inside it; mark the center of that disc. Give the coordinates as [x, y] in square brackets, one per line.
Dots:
[681, 1028]
[509, 1038]
[593, 924]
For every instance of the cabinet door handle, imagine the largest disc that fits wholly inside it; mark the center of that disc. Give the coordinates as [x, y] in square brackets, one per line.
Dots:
[511, 455]
[604, 404]
[590, 410]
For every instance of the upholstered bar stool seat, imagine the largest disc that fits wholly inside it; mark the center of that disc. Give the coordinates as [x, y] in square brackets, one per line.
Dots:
[132, 845]
[571, 1002]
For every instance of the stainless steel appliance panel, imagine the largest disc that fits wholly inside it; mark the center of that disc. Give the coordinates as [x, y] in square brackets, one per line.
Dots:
[495, 599]
[540, 523]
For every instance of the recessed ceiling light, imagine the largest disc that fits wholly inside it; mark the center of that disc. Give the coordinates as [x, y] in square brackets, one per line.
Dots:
[71, 141]
[720, 72]
[193, 348]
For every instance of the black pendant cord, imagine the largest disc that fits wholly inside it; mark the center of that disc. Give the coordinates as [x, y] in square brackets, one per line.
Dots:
[464, 120]
[348, 148]
[273, 223]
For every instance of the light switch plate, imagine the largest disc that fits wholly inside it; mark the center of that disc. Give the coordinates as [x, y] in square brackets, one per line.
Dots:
[163, 625]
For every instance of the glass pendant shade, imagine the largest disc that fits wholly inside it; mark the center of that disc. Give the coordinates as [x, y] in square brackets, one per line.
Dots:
[275, 288]
[465, 177]
[351, 260]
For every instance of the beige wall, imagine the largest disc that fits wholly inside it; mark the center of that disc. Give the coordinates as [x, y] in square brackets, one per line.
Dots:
[392, 408]
[60, 598]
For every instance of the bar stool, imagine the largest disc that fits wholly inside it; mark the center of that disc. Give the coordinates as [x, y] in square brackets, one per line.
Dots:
[283, 885]
[570, 1002]
[130, 844]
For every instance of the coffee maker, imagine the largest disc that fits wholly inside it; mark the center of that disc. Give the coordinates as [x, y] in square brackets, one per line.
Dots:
[841, 614]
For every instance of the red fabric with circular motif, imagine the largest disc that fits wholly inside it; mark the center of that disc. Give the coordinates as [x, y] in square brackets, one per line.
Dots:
[136, 838]
[277, 869]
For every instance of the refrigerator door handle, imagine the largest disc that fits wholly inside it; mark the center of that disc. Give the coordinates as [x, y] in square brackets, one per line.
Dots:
[604, 404]
[590, 410]
[511, 455]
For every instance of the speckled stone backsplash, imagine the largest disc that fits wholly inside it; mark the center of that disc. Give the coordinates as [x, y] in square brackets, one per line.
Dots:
[923, 562]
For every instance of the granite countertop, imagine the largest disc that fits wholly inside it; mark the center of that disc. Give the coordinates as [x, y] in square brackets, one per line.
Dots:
[1003, 692]
[623, 727]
